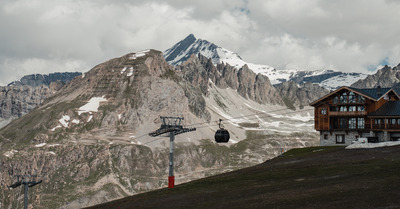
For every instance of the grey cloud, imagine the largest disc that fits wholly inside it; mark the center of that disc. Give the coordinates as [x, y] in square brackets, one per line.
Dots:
[59, 35]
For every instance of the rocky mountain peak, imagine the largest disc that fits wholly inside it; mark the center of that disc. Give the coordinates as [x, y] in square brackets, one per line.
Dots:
[300, 95]
[386, 77]
[174, 55]
[128, 92]
[24, 95]
[182, 51]
[200, 71]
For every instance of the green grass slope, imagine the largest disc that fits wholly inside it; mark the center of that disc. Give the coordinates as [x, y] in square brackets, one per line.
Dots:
[316, 177]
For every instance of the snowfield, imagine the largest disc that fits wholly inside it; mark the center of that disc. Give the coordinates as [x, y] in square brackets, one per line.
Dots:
[92, 105]
[372, 145]
[64, 120]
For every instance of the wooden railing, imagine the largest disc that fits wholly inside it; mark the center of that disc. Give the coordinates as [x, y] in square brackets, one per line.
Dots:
[349, 113]
[388, 126]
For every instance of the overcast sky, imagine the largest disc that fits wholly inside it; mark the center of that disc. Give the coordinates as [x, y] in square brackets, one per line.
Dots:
[44, 36]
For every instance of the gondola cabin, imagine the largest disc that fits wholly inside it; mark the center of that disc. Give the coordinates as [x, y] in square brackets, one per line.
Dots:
[222, 135]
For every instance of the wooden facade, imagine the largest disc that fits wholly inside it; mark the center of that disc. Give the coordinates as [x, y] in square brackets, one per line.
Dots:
[354, 110]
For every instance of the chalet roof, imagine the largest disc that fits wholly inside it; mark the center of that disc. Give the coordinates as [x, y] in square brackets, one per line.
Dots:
[371, 93]
[391, 108]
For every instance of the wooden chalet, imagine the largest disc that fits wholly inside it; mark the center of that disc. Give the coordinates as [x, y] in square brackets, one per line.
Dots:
[349, 113]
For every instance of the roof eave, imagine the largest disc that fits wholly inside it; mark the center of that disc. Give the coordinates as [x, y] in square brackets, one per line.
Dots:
[337, 90]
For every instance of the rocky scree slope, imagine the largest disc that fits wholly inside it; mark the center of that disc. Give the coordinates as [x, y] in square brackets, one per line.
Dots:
[200, 71]
[300, 95]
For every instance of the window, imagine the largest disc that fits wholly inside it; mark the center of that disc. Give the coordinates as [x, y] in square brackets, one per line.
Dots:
[360, 99]
[343, 98]
[360, 123]
[343, 109]
[335, 122]
[360, 108]
[352, 123]
[343, 123]
[393, 121]
[352, 97]
[323, 111]
[398, 121]
[386, 97]
[339, 139]
[335, 100]
[352, 108]
[377, 121]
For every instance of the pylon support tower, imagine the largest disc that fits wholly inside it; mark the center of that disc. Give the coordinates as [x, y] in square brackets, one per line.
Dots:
[26, 183]
[173, 126]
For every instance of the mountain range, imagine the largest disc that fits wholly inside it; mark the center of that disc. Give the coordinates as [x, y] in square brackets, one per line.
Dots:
[88, 140]
[329, 79]
[22, 96]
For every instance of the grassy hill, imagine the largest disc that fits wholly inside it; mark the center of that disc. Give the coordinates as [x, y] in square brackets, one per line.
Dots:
[315, 177]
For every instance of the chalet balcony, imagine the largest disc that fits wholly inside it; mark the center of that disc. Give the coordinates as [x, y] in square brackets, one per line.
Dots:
[348, 113]
[386, 127]
[349, 129]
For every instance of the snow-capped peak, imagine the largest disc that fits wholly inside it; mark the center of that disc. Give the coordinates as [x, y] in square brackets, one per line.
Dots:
[182, 51]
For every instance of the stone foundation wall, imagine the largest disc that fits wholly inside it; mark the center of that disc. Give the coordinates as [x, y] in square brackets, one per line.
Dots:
[328, 138]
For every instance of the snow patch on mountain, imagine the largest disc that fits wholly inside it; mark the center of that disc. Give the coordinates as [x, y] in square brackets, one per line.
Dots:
[53, 129]
[92, 105]
[76, 121]
[345, 79]
[40, 145]
[10, 153]
[139, 54]
[123, 70]
[130, 72]
[64, 120]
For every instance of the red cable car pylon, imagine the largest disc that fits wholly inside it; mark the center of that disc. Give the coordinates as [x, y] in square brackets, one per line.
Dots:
[173, 126]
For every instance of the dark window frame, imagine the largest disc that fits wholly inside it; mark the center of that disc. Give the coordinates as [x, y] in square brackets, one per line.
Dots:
[352, 123]
[338, 136]
[360, 123]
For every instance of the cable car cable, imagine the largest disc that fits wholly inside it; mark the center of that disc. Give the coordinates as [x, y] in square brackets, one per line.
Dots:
[244, 116]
